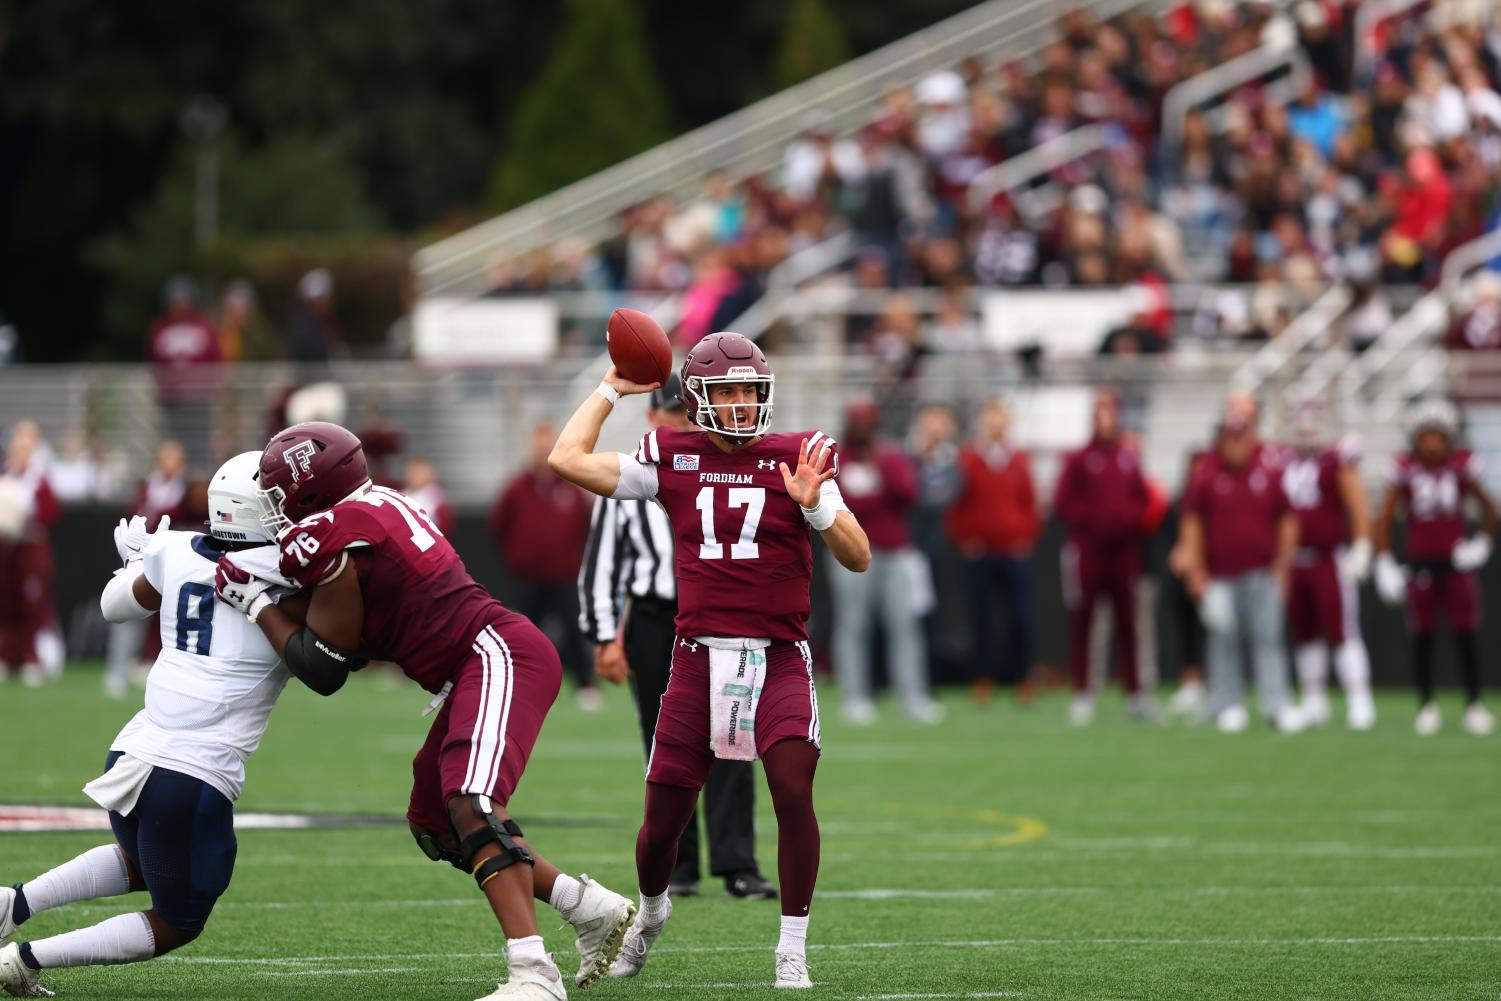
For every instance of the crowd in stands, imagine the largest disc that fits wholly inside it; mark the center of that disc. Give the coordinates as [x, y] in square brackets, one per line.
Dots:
[1371, 173]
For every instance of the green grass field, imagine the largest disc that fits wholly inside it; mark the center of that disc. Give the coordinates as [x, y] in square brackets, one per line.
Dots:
[999, 855]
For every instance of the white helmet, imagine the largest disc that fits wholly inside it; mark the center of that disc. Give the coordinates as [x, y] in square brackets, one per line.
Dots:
[1433, 414]
[234, 503]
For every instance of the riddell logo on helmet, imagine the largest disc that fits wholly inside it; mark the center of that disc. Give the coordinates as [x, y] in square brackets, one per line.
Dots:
[300, 459]
[742, 371]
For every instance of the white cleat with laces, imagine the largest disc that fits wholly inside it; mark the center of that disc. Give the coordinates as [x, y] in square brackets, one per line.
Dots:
[792, 972]
[17, 979]
[600, 919]
[531, 981]
[7, 914]
[1428, 721]
[1478, 721]
[638, 942]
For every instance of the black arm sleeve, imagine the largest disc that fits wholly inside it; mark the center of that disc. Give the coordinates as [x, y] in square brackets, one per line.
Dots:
[321, 666]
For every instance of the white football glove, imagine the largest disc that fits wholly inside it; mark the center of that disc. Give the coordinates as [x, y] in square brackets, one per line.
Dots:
[1217, 608]
[131, 537]
[1358, 560]
[1391, 579]
[1472, 553]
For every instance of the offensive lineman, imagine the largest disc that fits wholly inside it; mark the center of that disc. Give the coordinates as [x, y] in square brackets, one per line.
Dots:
[174, 772]
[740, 502]
[1323, 486]
[1431, 483]
[385, 584]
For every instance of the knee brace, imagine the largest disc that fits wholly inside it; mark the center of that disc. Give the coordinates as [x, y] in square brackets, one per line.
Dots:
[432, 846]
[501, 832]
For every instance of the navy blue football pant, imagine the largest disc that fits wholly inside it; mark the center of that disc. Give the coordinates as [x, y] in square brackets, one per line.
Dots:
[181, 839]
[1009, 578]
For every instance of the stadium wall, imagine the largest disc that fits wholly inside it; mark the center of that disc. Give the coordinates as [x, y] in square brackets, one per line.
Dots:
[84, 560]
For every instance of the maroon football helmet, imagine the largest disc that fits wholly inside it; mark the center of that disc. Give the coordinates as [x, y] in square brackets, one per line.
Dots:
[726, 358]
[308, 468]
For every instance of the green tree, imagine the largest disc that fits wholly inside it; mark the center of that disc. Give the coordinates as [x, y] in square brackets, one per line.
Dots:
[295, 185]
[812, 41]
[596, 102]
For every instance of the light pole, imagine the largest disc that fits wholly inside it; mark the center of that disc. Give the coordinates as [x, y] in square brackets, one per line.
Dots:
[203, 121]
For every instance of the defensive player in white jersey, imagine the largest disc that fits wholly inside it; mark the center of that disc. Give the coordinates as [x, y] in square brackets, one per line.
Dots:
[174, 772]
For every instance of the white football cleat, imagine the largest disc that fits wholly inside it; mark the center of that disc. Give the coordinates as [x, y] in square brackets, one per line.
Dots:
[1289, 719]
[1428, 721]
[7, 914]
[600, 919]
[859, 713]
[32, 676]
[1142, 707]
[1315, 708]
[17, 979]
[1478, 720]
[638, 941]
[531, 981]
[1360, 714]
[1188, 700]
[1080, 713]
[928, 713]
[1233, 719]
[792, 972]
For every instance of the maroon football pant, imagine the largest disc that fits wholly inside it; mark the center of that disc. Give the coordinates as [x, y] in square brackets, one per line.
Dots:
[1320, 603]
[485, 732]
[1092, 571]
[26, 605]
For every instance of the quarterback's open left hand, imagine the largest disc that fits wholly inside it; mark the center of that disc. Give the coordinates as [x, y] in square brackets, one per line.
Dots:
[237, 588]
[133, 536]
[803, 484]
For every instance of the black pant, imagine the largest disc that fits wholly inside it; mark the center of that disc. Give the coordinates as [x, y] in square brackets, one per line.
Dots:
[730, 793]
[554, 609]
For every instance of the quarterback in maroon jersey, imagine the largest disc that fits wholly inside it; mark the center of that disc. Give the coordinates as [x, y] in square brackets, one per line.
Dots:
[386, 585]
[1431, 484]
[740, 501]
[1323, 486]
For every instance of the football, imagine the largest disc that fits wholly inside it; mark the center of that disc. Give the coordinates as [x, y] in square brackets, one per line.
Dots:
[638, 347]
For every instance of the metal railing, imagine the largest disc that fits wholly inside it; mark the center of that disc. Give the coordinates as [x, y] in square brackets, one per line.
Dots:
[749, 140]
[1282, 352]
[1228, 76]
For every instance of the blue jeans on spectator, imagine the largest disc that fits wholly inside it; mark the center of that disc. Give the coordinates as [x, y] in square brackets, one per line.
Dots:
[1012, 577]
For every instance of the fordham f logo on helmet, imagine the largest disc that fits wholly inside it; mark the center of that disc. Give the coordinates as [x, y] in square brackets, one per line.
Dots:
[300, 459]
[726, 358]
[308, 468]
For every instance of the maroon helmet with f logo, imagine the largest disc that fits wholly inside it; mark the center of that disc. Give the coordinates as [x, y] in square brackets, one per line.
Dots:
[309, 468]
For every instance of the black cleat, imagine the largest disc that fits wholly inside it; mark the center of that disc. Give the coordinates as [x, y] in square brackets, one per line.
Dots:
[749, 886]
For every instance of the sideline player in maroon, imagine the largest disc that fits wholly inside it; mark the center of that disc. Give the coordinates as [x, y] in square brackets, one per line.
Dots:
[386, 585]
[1102, 499]
[740, 502]
[1431, 483]
[1323, 486]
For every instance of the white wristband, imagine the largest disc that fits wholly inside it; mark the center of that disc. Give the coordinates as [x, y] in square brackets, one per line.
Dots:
[608, 392]
[820, 517]
[262, 602]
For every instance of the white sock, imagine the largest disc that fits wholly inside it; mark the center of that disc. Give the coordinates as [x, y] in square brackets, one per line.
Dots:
[98, 872]
[654, 909]
[794, 935]
[529, 949]
[1313, 668]
[124, 938]
[1354, 667]
[566, 893]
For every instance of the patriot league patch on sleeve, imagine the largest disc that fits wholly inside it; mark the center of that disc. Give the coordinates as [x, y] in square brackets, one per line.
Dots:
[685, 463]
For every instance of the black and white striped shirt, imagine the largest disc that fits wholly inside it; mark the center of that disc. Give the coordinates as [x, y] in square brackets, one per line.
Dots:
[629, 552]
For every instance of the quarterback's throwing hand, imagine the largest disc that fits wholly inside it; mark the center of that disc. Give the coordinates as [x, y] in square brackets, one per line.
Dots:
[132, 536]
[803, 484]
[626, 387]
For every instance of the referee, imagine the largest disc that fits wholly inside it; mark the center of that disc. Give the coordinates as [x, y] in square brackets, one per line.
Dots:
[628, 558]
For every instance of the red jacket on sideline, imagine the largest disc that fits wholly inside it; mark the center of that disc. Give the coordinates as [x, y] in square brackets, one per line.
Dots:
[879, 486]
[996, 509]
[540, 525]
[1102, 495]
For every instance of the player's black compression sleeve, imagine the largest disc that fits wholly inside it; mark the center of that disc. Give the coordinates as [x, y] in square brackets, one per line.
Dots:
[321, 666]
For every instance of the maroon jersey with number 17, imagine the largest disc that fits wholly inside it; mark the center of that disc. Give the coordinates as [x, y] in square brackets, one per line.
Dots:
[744, 554]
[422, 609]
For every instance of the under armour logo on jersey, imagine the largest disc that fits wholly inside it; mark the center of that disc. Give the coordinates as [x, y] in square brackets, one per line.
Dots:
[766, 464]
[692, 647]
[300, 458]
